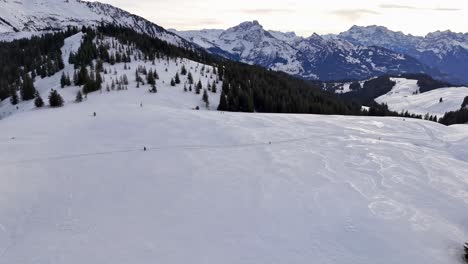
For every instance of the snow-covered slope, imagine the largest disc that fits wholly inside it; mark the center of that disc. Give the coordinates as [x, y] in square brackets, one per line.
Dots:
[167, 95]
[42, 15]
[212, 189]
[405, 96]
[216, 187]
[314, 57]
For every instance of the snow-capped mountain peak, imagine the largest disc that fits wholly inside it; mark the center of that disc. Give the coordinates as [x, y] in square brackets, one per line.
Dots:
[34, 16]
[445, 50]
[315, 57]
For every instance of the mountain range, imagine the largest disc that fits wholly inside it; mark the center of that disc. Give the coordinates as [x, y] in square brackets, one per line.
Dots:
[359, 53]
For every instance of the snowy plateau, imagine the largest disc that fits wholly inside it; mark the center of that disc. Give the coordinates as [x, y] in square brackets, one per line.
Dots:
[405, 96]
[218, 187]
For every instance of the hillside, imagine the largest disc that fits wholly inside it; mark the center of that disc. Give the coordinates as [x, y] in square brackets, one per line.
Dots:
[23, 18]
[114, 87]
[405, 96]
[211, 188]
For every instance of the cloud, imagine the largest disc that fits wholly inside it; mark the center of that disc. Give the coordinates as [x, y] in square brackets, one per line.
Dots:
[264, 11]
[186, 24]
[393, 6]
[354, 14]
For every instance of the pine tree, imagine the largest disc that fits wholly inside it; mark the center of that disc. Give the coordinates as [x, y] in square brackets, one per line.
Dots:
[172, 82]
[150, 78]
[38, 102]
[198, 87]
[55, 99]
[223, 106]
[14, 100]
[63, 80]
[153, 89]
[79, 97]
[205, 98]
[67, 80]
[183, 71]
[190, 78]
[27, 89]
[213, 87]
[125, 79]
[176, 78]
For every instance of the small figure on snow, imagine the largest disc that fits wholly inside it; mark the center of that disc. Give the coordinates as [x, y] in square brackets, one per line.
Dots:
[144, 148]
[94, 114]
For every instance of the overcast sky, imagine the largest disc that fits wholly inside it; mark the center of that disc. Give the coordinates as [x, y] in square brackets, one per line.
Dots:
[417, 17]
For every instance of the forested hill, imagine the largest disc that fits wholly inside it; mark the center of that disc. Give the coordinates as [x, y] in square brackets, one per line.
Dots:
[247, 88]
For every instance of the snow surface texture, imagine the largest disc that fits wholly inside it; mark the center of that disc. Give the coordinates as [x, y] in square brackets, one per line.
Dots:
[405, 96]
[211, 189]
[166, 96]
[217, 187]
[45, 15]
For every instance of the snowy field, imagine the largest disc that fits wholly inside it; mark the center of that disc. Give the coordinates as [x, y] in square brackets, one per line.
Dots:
[211, 189]
[216, 187]
[402, 98]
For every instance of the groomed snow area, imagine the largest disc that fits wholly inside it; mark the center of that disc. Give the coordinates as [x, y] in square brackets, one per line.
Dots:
[402, 98]
[211, 189]
[218, 187]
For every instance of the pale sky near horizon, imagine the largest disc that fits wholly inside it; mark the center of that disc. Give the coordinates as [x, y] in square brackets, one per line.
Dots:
[304, 16]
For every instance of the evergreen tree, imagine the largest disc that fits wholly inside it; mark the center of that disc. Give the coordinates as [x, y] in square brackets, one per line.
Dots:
[63, 80]
[14, 100]
[153, 89]
[198, 88]
[190, 78]
[38, 102]
[67, 80]
[172, 82]
[79, 97]
[176, 78]
[55, 99]
[213, 87]
[205, 98]
[27, 89]
[222, 102]
[465, 102]
[183, 71]
[150, 78]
